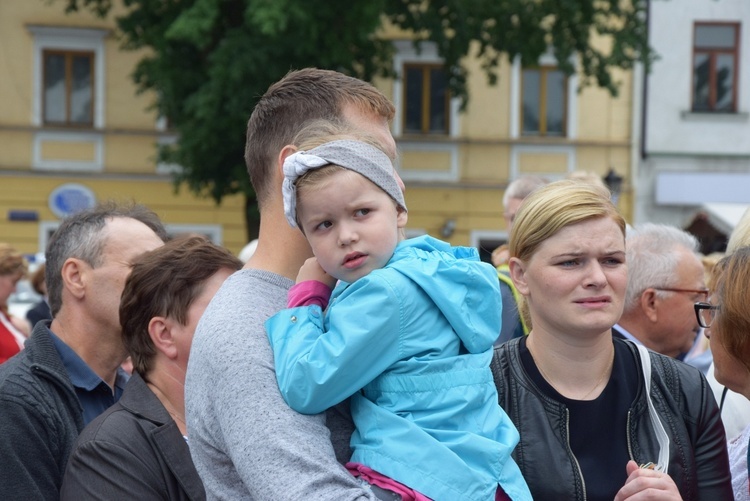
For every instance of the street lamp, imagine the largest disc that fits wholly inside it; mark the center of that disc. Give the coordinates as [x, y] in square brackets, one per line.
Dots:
[614, 182]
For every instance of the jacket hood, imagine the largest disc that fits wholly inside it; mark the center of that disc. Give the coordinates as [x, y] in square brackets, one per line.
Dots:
[466, 290]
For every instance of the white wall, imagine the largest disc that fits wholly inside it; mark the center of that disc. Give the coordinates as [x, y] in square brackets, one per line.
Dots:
[691, 158]
[671, 128]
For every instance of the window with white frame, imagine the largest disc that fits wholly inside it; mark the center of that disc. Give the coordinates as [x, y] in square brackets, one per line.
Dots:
[426, 99]
[544, 91]
[67, 88]
[715, 67]
[68, 76]
[424, 105]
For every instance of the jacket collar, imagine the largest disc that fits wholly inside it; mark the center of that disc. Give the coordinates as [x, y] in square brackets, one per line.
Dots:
[138, 399]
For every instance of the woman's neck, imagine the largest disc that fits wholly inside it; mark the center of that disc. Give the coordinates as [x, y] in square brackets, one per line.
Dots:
[577, 370]
[171, 393]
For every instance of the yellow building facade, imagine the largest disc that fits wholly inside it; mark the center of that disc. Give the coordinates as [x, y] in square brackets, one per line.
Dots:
[74, 132]
[456, 165]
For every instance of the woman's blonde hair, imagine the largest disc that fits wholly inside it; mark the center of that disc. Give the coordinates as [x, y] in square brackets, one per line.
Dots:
[731, 277]
[553, 207]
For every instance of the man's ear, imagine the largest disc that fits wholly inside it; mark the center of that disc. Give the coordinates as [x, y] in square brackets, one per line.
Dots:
[649, 304]
[286, 151]
[160, 331]
[73, 276]
[518, 275]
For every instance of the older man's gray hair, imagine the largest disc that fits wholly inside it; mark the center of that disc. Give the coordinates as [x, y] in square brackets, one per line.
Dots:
[652, 254]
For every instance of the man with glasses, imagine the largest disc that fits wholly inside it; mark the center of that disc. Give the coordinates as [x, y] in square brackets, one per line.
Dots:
[665, 280]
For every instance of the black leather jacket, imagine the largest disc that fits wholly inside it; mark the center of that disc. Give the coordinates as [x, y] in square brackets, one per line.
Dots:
[698, 456]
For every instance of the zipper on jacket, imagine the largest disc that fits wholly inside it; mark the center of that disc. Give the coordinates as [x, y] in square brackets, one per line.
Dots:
[570, 451]
[627, 435]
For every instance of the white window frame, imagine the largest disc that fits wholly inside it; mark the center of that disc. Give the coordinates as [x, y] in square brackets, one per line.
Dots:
[68, 39]
[547, 145]
[71, 136]
[546, 59]
[406, 53]
[542, 149]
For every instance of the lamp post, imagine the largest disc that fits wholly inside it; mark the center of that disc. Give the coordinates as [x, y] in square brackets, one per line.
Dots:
[614, 182]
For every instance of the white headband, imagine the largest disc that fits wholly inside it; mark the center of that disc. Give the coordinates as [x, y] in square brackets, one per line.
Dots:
[356, 156]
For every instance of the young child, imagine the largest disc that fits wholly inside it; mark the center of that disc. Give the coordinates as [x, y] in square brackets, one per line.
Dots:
[407, 333]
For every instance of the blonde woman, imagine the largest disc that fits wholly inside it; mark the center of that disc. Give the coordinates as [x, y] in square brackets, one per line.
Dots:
[592, 426]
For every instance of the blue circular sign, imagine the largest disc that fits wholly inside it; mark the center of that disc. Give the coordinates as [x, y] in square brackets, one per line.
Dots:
[70, 198]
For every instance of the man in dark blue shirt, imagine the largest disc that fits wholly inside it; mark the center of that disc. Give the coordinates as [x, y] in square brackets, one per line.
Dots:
[69, 371]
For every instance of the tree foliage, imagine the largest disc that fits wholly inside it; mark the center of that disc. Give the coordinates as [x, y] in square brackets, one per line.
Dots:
[208, 61]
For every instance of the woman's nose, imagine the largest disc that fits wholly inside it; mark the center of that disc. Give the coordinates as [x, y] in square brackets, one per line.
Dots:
[596, 275]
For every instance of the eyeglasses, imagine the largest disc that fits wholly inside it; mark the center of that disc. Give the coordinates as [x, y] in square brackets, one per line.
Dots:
[705, 313]
[704, 292]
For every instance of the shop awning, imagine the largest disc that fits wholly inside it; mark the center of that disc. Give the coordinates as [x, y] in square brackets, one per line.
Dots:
[724, 217]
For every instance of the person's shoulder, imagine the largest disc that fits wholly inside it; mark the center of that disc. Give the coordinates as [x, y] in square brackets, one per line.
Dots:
[510, 346]
[388, 281]
[16, 375]
[28, 401]
[684, 382]
[505, 353]
[247, 292]
[117, 426]
[679, 367]
[40, 309]
[113, 425]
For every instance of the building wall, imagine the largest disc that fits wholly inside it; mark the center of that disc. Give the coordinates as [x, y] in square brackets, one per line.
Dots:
[114, 159]
[179, 212]
[458, 178]
[672, 128]
[691, 159]
[461, 177]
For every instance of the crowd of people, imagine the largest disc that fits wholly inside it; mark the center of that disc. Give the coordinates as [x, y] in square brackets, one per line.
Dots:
[340, 360]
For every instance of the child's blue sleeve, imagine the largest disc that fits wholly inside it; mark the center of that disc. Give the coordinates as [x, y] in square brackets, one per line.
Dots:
[322, 360]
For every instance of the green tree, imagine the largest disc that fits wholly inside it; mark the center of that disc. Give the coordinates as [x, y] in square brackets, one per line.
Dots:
[208, 61]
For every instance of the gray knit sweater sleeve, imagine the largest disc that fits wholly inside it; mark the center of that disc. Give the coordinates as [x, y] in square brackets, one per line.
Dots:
[245, 441]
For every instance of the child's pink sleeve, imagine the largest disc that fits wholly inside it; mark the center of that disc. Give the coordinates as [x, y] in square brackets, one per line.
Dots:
[308, 293]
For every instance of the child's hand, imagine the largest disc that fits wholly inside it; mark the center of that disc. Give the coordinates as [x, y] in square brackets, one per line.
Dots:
[311, 270]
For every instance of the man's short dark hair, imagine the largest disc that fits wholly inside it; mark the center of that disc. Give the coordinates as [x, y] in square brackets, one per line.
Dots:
[287, 105]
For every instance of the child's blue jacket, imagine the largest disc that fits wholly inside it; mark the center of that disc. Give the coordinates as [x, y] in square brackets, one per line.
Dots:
[411, 343]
